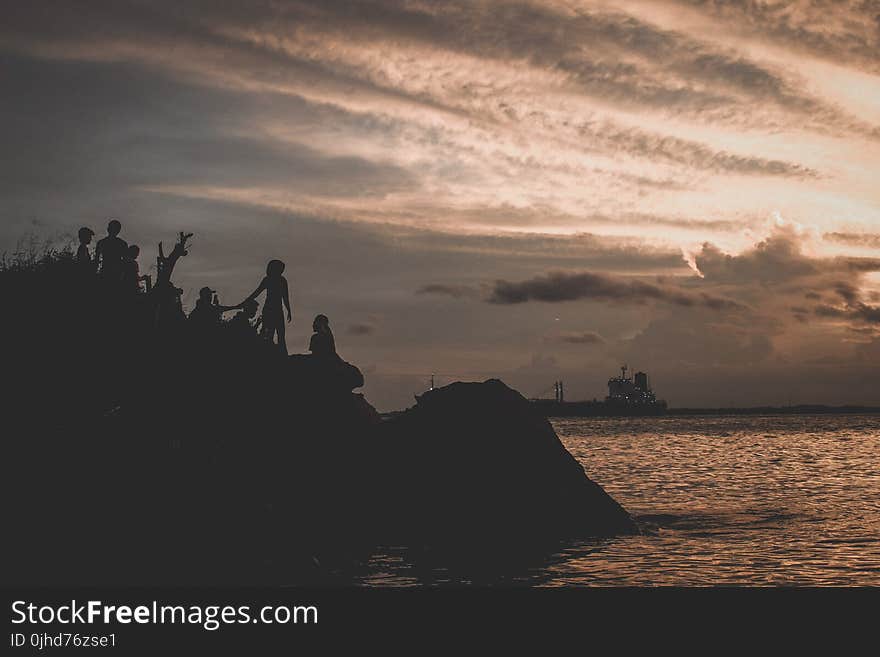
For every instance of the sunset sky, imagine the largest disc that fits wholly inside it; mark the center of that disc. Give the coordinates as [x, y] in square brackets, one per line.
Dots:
[526, 190]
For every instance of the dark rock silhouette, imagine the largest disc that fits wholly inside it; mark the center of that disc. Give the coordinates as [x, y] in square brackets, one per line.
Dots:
[475, 460]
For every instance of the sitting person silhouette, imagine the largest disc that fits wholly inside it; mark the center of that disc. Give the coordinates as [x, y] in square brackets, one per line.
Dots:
[241, 321]
[277, 294]
[328, 369]
[131, 273]
[110, 252]
[83, 257]
[208, 310]
[322, 343]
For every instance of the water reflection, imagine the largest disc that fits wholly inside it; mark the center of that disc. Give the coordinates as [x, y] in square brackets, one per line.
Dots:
[768, 500]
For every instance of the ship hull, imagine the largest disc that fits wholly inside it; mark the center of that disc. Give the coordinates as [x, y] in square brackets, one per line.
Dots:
[551, 408]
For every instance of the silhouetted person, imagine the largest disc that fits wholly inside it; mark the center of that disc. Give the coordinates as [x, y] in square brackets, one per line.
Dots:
[277, 294]
[241, 322]
[83, 257]
[328, 368]
[322, 344]
[110, 253]
[208, 310]
[131, 273]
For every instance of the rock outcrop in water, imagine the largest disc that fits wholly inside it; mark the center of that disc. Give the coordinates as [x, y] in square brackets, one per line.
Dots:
[474, 462]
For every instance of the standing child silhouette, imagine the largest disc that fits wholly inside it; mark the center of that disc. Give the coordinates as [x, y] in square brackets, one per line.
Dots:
[131, 272]
[110, 251]
[277, 294]
[83, 257]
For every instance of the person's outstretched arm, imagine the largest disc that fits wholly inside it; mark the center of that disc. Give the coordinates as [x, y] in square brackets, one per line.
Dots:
[253, 295]
[285, 296]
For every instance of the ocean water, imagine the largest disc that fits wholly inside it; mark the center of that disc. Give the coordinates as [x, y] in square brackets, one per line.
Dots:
[723, 500]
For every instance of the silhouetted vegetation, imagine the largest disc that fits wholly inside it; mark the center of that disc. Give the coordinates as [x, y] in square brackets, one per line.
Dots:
[159, 442]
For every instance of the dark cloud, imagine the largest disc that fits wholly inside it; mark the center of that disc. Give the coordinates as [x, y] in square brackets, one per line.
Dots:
[703, 225]
[241, 162]
[857, 311]
[850, 304]
[454, 291]
[869, 331]
[581, 337]
[94, 126]
[846, 291]
[702, 343]
[611, 56]
[703, 76]
[870, 240]
[837, 31]
[558, 287]
[779, 259]
[685, 152]
[536, 249]
[775, 259]
[801, 314]
[777, 269]
[361, 329]
[856, 264]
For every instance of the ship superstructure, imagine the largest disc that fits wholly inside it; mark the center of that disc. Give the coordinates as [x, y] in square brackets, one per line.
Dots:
[627, 395]
[633, 389]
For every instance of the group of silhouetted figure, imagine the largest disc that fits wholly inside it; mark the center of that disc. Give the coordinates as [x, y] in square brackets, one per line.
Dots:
[115, 263]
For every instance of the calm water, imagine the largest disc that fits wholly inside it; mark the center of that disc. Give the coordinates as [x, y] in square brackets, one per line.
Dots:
[764, 500]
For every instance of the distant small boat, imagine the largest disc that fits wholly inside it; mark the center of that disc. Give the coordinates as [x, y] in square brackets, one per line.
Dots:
[627, 396]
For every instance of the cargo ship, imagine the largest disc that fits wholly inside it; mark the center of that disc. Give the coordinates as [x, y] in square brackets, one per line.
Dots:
[627, 396]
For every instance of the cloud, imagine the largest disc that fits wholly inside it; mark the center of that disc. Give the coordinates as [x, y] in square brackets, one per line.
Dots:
[454, 291]
[620, 65]
[557, 287]
[104, 139]
[856, 311]
[837, 31]
[868, 331]
[361, 329]
[608, 253]
[869, 240]
[581, 337]
[777, 270]
[383, 147]
[778, 258]
[674, 150]
[700, 342]
[774, 259]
